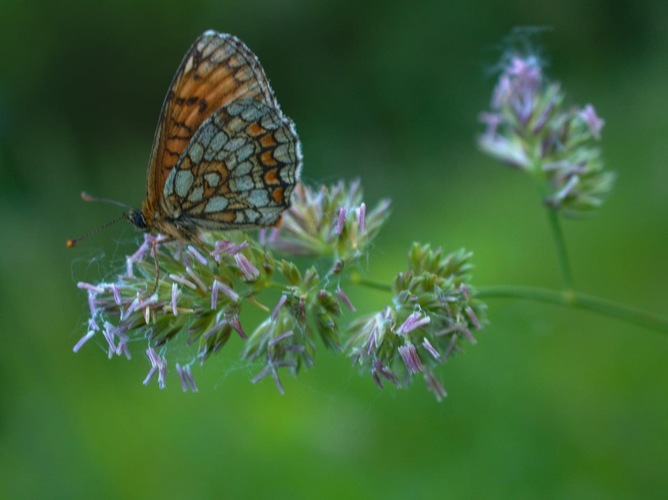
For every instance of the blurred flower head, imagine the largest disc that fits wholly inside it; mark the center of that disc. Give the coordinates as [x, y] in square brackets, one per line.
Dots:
[529, 128]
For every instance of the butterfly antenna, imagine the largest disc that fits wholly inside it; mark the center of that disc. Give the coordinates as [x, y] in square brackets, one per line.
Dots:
[89, 197]
[71, 243]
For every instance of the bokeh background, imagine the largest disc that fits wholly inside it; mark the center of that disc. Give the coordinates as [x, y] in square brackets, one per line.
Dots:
[551, 403]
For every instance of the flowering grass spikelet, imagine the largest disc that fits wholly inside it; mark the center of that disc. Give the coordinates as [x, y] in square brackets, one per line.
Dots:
[433, 311]
[174, 293]
[530, 128]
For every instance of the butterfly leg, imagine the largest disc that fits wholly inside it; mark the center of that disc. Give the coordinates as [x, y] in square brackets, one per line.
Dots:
[155, 245]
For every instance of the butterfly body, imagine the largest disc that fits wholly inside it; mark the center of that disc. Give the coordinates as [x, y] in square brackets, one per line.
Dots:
[224, 155]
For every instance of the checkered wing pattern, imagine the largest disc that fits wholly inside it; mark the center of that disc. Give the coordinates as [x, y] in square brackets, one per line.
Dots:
[224, 155]
[238, 170]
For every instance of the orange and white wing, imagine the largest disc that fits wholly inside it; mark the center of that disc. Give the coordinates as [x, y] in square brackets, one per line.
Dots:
[216, 70]
[237, 172]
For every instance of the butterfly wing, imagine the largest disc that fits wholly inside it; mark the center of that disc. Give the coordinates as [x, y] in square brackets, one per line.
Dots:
[237, 172]
[216, 70]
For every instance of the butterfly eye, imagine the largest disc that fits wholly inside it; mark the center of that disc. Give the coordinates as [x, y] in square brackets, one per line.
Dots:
[137, 218]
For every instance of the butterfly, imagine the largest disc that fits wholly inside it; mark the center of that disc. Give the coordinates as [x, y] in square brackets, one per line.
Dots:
[224, 155]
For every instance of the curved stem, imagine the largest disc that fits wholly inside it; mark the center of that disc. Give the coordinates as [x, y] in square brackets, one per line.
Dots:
[357, 279]
[567, 298]
[580, 301]
[560, 242]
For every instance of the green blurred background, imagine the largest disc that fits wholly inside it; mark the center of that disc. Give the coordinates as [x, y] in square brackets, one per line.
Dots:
[551, 403]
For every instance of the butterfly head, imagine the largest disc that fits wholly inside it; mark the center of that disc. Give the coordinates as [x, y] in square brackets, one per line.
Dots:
[136, 216]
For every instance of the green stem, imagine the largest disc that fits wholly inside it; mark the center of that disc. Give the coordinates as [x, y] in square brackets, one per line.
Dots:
[580, 301]
[560, 242]
[568, 298]
[357, 279]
